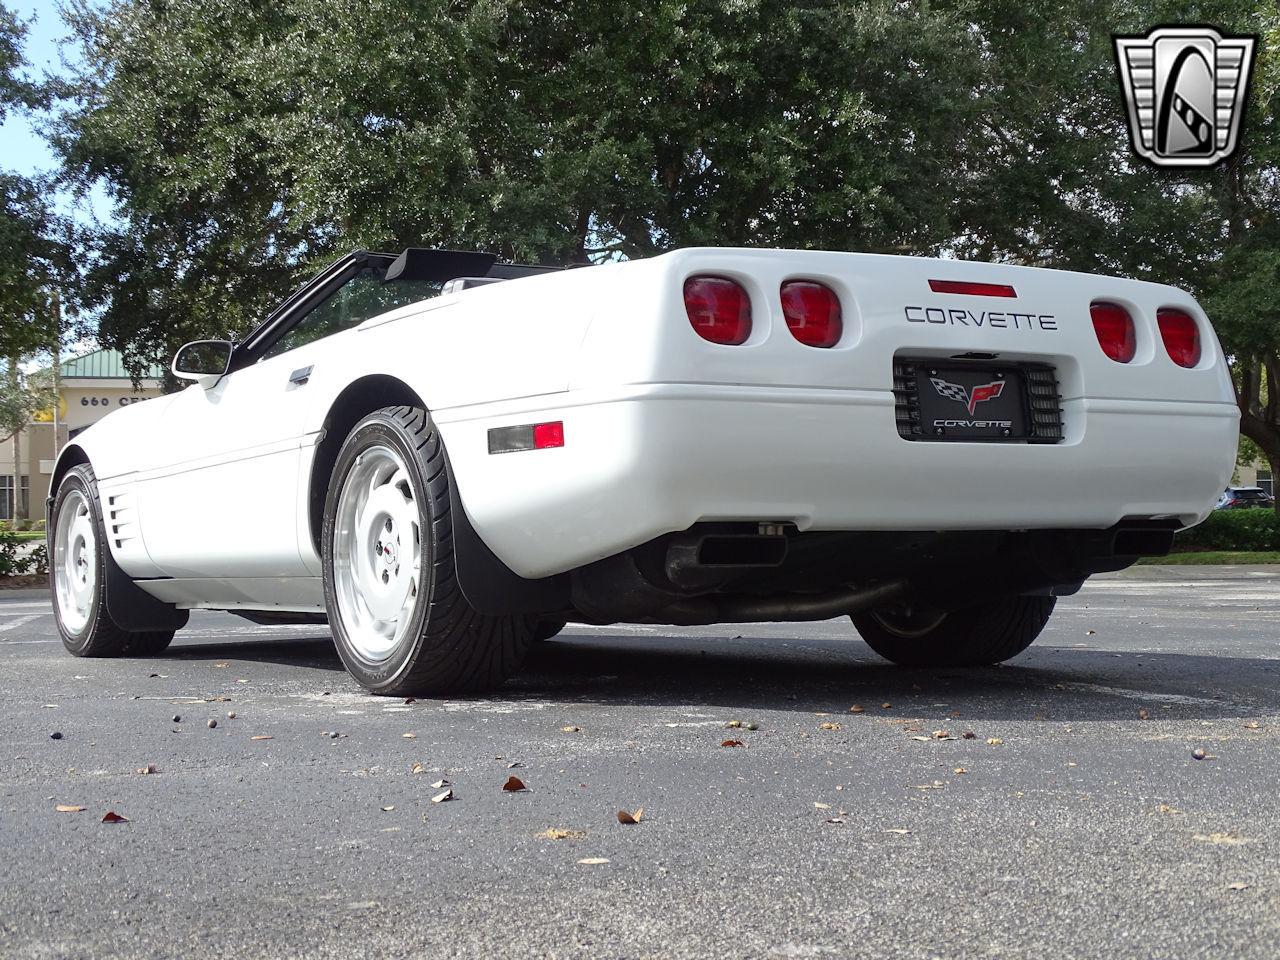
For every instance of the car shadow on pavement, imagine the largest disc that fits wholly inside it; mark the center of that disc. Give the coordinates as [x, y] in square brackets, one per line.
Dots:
[1047, 682]
[1053, 683]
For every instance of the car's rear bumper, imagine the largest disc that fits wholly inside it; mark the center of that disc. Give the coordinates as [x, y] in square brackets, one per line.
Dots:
[645, 460]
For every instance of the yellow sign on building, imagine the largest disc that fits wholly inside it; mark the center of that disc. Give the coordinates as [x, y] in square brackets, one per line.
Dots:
[46, 415]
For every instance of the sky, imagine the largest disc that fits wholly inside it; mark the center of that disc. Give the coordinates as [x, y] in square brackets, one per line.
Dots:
[21, 148]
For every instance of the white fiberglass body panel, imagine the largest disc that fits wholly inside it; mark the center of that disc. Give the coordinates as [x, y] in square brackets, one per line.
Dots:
[663, 429]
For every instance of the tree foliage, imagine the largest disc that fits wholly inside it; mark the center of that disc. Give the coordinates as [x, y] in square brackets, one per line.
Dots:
[244, 141]
[27, 224]
[21, 396]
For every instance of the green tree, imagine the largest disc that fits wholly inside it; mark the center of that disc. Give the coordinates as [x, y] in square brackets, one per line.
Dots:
[28, 256]
[244, 141]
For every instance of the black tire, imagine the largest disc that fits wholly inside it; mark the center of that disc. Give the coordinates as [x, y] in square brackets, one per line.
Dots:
[978, 636]
[149, 644]
[448, 647]
[546, 629]
[100, 636]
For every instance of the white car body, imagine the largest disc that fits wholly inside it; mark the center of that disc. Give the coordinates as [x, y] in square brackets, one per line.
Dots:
[207, 494]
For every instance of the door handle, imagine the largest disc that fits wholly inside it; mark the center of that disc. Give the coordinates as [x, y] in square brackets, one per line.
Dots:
[300, 376]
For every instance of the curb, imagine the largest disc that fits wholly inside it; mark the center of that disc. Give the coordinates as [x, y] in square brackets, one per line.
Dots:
[33, 593]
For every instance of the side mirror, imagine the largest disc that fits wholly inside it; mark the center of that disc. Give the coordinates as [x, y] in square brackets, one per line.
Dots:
[204, 361]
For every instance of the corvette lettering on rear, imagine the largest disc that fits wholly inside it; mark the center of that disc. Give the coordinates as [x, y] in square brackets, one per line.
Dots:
[1000, 319]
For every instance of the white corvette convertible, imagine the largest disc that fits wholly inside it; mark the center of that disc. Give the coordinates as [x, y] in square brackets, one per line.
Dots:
[447, 457]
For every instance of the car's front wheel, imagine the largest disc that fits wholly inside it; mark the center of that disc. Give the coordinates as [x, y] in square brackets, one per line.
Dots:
[399, 619]
[79, 581]
[977, 636]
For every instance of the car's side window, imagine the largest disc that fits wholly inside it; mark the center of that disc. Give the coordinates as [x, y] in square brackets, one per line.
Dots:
[361, 297]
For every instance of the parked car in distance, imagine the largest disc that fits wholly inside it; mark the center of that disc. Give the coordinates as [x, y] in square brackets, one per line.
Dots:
[1237, 498]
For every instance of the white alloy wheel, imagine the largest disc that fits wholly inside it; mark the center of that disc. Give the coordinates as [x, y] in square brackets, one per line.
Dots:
[75, 562]
[377, 553]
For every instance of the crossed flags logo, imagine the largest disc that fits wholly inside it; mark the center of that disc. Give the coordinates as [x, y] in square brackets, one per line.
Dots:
[1185, 90]
[970, 398]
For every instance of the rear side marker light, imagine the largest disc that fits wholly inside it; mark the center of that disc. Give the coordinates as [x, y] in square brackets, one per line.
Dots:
[973, 289]
[1114, 329]
[1181, 336]
[718, 308]
[527, 436]
[812, 311]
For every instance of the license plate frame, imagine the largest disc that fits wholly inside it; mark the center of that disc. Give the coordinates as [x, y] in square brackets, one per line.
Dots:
[976, 401]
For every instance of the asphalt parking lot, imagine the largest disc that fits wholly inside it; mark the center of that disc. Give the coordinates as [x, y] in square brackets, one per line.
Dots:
[1074, 822]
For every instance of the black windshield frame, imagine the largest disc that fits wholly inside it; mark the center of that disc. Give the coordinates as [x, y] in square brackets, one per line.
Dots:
[332, 278]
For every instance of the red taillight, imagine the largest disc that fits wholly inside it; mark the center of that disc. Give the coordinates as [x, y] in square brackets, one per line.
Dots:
[548, 435]
[719, 309]
[1181, 336]
[812, 311]
[1114, 327]
[973, 289]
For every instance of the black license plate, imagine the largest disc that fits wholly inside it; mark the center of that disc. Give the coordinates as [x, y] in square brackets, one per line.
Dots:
[971, 402]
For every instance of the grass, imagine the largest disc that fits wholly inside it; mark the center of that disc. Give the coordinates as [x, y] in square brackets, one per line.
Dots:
[29, 534]
[1216, 557]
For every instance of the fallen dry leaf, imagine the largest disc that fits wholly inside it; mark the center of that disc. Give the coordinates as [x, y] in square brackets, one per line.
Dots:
[828, 725]
[514, 785]
[968, 734]
[442, 783]
[388, 808]
[112, 817]
[417, 768]
[732, 743]
[148, 769]
[822, 806]
[625, 816]
[68, 808]
[857, 708]
[556, 833]
[594, 861]
[994, 741]
[1253, 725]
[959, 770]
[410, 700]
[409, 736]
[942, 735]
[1237, 886]
[885, 706]
[1165, 808]
[222, 665]
[1090, 633]
[442, 796]
[898, 830]
[1143, 715]
[263, 736]
[1227, 838]
[570, 729]
[733, 724]
[835, 820]
[922, 739]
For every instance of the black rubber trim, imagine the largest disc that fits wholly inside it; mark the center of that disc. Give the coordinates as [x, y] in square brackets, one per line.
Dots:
[489, 585]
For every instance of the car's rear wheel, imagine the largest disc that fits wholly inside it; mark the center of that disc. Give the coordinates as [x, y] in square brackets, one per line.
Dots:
[977, 636]
[78, 577]
[399, 619]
